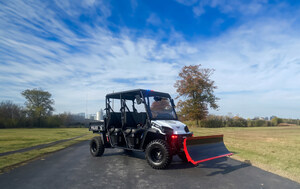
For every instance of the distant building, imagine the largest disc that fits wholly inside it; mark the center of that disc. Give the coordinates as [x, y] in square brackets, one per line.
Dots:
[260, 118]
[81, 115]
[272, 117]
[78, 118]
[99, 115]
[91, 116]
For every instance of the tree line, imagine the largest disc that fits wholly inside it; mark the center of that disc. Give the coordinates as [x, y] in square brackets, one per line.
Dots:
[37, 112]
[213, 121]
[196, 95]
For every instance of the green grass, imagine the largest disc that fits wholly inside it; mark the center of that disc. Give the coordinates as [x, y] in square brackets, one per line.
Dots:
[275, 149]
[15, 139]
[10, 161]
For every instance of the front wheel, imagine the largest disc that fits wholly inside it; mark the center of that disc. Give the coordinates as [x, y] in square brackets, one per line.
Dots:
[158, 154]
[96, 147]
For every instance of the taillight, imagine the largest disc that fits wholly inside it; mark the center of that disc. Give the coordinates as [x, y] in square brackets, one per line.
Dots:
[174, 136]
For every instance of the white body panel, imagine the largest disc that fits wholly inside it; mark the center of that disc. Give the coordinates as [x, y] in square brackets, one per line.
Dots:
[177, 126]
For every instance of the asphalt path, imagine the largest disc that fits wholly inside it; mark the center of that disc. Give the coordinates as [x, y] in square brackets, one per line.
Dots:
[74, 167]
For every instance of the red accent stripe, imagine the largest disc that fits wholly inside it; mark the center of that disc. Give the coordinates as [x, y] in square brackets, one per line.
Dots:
[203, 160]
[188, 157]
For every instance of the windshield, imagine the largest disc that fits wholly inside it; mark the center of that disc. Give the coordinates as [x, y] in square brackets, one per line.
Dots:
[161, 108]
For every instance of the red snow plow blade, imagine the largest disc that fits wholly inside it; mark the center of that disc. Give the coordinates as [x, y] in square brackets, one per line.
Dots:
[204, 148]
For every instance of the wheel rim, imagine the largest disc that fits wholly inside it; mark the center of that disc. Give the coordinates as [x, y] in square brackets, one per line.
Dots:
[94, 147]
[156, 155]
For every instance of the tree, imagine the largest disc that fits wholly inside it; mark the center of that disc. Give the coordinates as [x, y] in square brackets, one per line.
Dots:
[196, 92]
[10, 110]
[276, 121]
[11, 114]
[38, 104]
[160, 105]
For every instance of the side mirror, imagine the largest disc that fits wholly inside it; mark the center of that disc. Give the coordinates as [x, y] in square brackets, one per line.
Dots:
[138, 99]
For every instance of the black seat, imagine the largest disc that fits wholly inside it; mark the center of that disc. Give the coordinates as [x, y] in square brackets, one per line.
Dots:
[134, 119]
[134, 124]
[140, 118]
[130, 121]
[133, 136]
[115, 123]
[114, 130]
[132, 132]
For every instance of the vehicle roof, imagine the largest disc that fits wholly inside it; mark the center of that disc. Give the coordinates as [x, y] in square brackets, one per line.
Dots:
[130, 94]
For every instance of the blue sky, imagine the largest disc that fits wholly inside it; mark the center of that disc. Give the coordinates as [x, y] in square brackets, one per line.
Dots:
[81, 50]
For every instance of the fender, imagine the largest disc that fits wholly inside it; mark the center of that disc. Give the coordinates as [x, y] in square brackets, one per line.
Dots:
[150, 135]
[104, 141]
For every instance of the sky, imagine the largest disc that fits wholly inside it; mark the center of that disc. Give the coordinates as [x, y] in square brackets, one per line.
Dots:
[80, 50]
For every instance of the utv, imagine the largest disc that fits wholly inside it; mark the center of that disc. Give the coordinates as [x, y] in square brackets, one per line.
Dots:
[145, 120]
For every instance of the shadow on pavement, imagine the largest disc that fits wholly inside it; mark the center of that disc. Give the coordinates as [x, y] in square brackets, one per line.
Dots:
[223, 166]
[181, 165]
[221, 163]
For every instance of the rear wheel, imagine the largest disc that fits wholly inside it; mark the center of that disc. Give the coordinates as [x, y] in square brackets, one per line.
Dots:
[158, 154]
[96, 147]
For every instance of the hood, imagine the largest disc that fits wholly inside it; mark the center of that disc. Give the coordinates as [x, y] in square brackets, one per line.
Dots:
[177, 126]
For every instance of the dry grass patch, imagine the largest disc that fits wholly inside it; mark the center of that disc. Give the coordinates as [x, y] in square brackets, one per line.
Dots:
[275, 149]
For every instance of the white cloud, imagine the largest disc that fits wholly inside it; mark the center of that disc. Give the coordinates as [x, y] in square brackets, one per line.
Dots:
[257, 65]
[99, 59]
[187, 2]
[232, 6]
[154, 19]
[257, 68]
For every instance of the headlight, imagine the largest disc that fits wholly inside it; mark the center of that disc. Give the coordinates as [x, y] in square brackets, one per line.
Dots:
[167, 130]
[186, 129]
[163, 129]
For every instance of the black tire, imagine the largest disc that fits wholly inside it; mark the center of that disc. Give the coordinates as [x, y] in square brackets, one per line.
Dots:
[182, 156]
[158, 154]
[96, 147]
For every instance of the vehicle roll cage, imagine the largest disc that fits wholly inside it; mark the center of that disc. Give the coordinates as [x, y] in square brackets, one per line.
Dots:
[131, 95]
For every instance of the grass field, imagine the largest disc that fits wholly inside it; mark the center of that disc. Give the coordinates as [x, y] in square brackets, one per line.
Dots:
[14, 139]
[275, 149]
[10, 161]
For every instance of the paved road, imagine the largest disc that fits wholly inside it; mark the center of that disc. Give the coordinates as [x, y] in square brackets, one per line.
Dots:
[75, 168]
